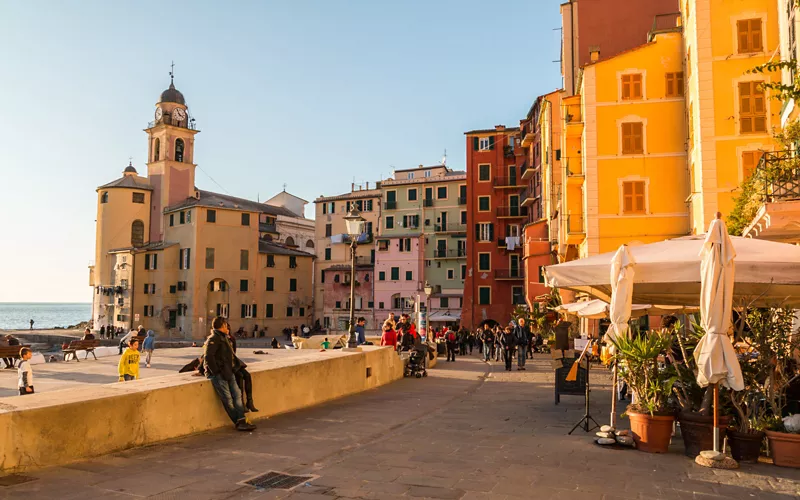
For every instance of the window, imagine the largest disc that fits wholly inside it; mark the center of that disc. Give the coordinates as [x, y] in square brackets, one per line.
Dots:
[303, 311]
[441, 193]
[244, 260]
[444, 302]
[322, 276]
[674, 84]
[412, 194]
[632, 138]
[484, 143]
[211, 216]
[188, 216]
[171, 220]
[293, 285]
[150, 261]
[632, 86]
[137, 233]
[338, 304]
[173, 289]
[428, 173]
[328, 230]
[451, 274]
[750, 160]
[404, 244]
[104, 197]
[517, 295]
[209, 258]
[179, 150]
[243, 285]
[270, 284]
[271, 261]
[390, 222]
[327, 254]
[148, 311]
[381, 275]
[463, 271]
[558, 155]
[484, 172]
[249, 311]
[484, 203]
[748, 33]
[138, 197]
[395, 274]
[289, 312]
[181, 286]
[309, 244]
[633, 197]
[182, 218]
[752, 108]
[409, 276]
[463, 216]
[411, 221]
[157, 150]
[484, 262]
[292, 262]
[290, 241]
[270, 313]
[245, 219]
[484, 231]
[484, 295]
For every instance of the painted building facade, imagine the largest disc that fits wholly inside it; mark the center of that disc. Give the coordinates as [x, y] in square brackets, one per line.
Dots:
[170, 256]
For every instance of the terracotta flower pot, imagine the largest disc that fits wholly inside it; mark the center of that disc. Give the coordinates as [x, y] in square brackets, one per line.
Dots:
[784, 448]
[745, 446]
[651, 434]
[697, 431]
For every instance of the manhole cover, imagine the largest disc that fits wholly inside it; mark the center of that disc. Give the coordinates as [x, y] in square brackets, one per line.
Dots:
[15, 479]
[277, 481]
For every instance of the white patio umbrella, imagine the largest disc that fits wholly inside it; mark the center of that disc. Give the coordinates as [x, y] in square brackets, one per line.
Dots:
[619, 311]
[714, 354]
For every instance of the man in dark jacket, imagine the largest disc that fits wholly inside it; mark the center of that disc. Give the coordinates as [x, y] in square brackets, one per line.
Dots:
[243, 378]
[218, 359]
[522, 335]
[507, 342]
[487, 339]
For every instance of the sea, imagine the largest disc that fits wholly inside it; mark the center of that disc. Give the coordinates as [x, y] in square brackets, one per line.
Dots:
[17, 315]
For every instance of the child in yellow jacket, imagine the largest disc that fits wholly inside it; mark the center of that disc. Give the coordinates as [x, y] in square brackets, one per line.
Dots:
[129, 362]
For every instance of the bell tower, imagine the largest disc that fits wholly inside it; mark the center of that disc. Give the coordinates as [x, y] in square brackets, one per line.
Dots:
[170, 165]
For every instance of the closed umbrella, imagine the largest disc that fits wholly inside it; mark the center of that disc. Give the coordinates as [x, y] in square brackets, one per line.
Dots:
[715, 356]
[619, 313]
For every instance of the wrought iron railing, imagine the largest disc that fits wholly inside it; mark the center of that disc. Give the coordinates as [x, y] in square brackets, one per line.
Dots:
[267, 228]
[167, 120]
[513, 273]
[507, 182]
[449, 254]
[512, 211]
[452, 227]
[390, 205]
[427, 202]
[777, 176]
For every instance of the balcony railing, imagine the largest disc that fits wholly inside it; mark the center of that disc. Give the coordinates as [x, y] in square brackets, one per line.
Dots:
[449, 254]
[389, 205]
[512, 211]
[453, 227]
[665, 23]
[575, 224]
[427, 202]
[508, 274]
[462, 200]
[502, 243]
[167, 120]
[509, 151]
[777, 176]
[267, 228]
[507, 182]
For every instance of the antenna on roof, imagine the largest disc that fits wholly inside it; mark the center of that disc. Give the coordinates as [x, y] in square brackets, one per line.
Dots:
[171, 72]
[284, 187]
[444, 158]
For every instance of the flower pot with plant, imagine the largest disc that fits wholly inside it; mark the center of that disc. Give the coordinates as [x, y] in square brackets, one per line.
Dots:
[651, 415]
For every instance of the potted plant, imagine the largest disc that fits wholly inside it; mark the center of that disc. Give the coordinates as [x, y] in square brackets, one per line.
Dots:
[651, 415]
[784, 441]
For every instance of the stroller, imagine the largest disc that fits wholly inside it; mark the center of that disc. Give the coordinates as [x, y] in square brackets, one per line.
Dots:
[416, 361]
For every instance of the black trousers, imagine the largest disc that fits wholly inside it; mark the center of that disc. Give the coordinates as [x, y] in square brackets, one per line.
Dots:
[508, 355]
[23, 392]
[451, 351]
[245, 383]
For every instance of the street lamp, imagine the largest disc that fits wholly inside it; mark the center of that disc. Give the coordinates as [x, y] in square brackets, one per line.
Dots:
[355, 227]
[428, 289]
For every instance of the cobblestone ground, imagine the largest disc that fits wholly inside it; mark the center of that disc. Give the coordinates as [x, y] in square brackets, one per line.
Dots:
[468, 431]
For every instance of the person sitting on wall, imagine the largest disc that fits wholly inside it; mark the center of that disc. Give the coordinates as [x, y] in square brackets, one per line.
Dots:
[243, 378]
[361, 336]
[275, 344]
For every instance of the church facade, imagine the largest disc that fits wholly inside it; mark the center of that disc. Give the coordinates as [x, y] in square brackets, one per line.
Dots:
[170, 256]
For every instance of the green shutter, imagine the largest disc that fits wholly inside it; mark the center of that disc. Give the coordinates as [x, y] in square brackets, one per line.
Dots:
[491, 231]
[475, 144]
[491, 142]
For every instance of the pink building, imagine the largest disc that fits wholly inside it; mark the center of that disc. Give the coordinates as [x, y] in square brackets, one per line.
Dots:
[336, 293]
[398, 275]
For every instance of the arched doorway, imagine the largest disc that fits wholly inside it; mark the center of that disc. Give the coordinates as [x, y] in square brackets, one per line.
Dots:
[218, 300]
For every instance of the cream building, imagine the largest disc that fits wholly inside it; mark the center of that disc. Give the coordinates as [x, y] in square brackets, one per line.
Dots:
[170, 257]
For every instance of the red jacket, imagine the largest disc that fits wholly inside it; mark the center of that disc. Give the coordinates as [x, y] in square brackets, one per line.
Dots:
[389, 338]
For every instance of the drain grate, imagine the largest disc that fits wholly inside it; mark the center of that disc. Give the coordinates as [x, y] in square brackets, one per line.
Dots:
[15, 479]
[277, 481]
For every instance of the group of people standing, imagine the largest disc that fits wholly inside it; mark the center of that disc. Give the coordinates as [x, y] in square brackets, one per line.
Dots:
[505, 343]
[109, 332]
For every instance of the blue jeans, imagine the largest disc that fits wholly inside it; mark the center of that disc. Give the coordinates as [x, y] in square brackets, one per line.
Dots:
[487, 352]
[230, 395]
[521, 356]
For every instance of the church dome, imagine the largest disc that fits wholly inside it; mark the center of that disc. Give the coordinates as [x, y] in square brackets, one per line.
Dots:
[129, 169]
[172, 95]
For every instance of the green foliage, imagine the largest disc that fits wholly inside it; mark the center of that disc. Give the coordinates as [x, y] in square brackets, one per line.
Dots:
[688, 393]
[637, 357]
[779, 90]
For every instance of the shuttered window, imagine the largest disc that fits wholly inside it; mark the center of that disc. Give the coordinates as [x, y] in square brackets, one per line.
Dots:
[633, 197]
[484, 295]
[209, 258]
[484, 262]
[748, 32]
[674, 84]
[632, 86]
[244, 260]
[632, 138]
[749, 162]
[752, 108]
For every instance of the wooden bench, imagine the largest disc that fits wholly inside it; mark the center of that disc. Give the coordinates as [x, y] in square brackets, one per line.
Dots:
[80, 345]
[11, 351]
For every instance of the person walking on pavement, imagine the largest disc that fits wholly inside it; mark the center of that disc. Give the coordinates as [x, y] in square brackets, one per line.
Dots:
[452, 344]
[147, 347]
[507, 343]
[218, 365]
[487, 340]
[498, 347]
[128, 366]
[31, 324]
[522, 336]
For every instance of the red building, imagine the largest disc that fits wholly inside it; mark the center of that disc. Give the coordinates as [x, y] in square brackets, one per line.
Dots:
[495, 216]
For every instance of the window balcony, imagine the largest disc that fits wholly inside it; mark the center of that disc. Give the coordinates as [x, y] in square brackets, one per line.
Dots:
[512, 212]
[508, 183]
[449, 254]
[450, 228]
[509, 152]
[462, 200]
[508, 274]
[389, 205]
[188, 123]
[528, 197]
[427, 202]
[264, 227]
[502, 243]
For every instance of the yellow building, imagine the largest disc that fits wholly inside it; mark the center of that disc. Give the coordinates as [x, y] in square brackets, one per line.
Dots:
[632, 171]
[170, 257]
[731, 120]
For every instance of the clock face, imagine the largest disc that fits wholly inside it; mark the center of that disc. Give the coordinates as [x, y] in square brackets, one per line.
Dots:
[159, 113]
[179, 114]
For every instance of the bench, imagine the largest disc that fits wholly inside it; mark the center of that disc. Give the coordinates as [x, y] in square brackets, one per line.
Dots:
[80, 345]
[11, 351]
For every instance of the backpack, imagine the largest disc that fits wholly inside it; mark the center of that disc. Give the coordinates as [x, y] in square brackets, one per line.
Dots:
[451, 337]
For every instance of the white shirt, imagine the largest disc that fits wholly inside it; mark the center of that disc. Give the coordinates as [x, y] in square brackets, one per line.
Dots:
[25, 374]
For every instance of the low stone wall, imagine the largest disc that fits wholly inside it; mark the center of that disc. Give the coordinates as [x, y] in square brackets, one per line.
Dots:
[65, 426]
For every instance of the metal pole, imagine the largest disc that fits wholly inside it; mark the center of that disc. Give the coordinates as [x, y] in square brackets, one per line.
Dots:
[614, 396]
[352, 342]
[716, 418]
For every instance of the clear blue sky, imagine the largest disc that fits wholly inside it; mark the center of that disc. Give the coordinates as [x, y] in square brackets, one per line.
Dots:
[311, 94]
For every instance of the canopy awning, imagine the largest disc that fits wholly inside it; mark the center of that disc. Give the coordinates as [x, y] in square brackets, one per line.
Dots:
[444, 316]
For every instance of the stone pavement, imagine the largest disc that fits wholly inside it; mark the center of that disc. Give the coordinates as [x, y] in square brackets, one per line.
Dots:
[468, 431]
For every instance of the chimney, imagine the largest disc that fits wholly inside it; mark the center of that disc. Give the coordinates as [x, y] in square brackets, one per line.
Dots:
[420, 165]
[352, 186]
[367, 185]
[594, 53]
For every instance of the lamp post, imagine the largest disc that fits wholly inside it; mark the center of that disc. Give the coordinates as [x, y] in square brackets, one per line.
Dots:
[428, 289]
[355, 227]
